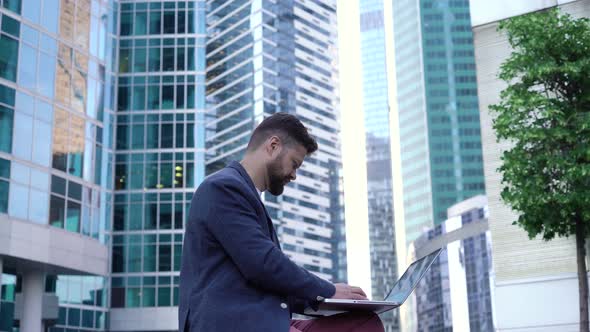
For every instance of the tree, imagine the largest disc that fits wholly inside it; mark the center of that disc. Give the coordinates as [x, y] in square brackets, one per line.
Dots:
[544, 114]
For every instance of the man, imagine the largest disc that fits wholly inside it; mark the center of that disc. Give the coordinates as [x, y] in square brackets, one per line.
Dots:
[234, 276]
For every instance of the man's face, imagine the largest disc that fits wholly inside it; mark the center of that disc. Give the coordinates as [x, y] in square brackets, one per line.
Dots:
[281, 170]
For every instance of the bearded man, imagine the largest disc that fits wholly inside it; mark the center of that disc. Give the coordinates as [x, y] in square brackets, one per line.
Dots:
[234, 276]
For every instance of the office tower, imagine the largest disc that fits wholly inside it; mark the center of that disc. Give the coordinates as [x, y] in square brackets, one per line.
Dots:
[378, 148]
[56, 154]
[534, 271]
[437, 114]
[159, 158]
[264, 57]
[455, 293]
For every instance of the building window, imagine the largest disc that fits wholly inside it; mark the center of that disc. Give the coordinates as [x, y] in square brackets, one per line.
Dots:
[155, 22]
[118, 259]
[154, 60]
[7, 298]
[87, 318]
[74, 317]
[148, 295]
[140, 23]
[117, 297]
[126, 24]
[10, 26]
[74, 207]
[168, 57]
[134, 258]
[12, 5]
[8, 57]
[169, 22]
[6, 123]
[73, 217]
[139, 60]
[4, 185]
[149, 254]
[133, 297]
[69, 142]
[57, 211]
[164, 296]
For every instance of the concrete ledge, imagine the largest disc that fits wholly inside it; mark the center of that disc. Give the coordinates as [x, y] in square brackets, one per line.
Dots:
[25, 245]
[144, 319]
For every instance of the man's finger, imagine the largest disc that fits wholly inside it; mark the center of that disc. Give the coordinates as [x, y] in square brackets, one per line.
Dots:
[356, 296]
[358, 290]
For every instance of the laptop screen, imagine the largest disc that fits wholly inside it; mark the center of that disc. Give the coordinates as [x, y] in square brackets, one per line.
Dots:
[406, 284]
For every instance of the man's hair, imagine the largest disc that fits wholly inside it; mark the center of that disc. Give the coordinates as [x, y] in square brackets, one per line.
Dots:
[287, 127]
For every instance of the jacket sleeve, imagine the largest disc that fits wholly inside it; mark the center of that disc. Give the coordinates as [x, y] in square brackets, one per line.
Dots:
[233, 222]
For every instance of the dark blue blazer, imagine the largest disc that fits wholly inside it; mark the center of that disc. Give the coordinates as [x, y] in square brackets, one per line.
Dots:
[234, 276]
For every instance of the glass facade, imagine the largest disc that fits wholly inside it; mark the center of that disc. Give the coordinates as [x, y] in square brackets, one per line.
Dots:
[379, 173]
[159, 159]
[264, 57]
[455, 293]
[83, 302]
[56, 147]
[438, 109]
[7, 300]
[456, 166]
[413, 130]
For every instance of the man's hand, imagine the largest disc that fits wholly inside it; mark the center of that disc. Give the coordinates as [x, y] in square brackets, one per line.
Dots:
[344, 291]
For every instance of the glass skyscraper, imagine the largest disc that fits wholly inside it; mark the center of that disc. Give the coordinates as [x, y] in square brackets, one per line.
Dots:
[56, 153]
[159, 157]
[439, 130]
[379, 175]
[100, 152]
[264, 57]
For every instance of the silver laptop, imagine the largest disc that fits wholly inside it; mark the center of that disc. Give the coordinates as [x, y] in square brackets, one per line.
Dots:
[396, 297]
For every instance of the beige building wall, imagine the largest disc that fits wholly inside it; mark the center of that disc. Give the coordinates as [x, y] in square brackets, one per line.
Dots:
[535, 281]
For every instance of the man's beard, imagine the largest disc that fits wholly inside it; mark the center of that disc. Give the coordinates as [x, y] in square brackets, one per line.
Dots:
[276, 180]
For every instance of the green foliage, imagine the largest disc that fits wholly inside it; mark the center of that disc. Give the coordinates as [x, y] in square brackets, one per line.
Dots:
[544, 113]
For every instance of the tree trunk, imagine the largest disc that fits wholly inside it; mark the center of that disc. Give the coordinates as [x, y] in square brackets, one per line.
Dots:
[582, 275]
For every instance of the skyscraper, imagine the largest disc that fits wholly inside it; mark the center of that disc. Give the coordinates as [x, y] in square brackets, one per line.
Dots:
[437, 111]
[264, 57]
[56, 152]
[378, 134]
[455, 294]
[159, 157]
[75, 76]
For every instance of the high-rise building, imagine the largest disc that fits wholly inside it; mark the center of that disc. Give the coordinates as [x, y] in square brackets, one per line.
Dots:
[101, 105]
[455, 293]
[437, 115]
[378, 149]
[264, 57]
[528, 273]
[56, 155]
[159, 158]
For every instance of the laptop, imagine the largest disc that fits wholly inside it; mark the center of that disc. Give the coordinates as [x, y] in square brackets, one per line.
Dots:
[395, 298]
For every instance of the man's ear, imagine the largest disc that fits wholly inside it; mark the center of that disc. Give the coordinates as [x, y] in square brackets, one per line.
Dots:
[274, 145]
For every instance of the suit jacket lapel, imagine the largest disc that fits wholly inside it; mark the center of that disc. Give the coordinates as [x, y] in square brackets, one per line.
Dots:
[271, 230]
[273, 233]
